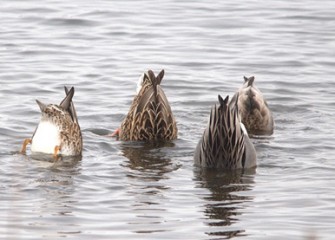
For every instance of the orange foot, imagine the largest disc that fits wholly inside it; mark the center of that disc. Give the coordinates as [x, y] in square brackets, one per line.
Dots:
[24, 145]
[56, 151]
[116, 133]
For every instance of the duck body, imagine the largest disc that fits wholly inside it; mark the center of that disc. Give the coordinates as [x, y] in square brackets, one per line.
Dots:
[225, 143]
[150, 116]
[253, 109]
[46, 137]
[58, 131]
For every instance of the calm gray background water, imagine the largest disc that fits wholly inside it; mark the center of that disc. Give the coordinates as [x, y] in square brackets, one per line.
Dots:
[138, 191]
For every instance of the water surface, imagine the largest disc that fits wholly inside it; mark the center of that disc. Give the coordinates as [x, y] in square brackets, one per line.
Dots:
[123, 190]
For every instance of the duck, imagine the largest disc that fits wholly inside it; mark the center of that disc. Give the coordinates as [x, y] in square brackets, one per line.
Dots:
[254, 111]
[150, 117]
[225, 143]
[58, 132]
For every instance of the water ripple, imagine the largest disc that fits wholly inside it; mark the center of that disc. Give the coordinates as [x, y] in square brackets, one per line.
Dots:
[154, 191]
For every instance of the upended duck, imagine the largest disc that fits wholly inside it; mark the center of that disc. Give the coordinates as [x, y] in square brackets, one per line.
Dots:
[253, 109]
[150, 116]
[225, 143]
[58, 131]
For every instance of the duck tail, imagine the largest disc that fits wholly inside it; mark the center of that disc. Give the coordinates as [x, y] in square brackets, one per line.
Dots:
[66, 103]
[249, 80]
[222, 142]
[71, 108]
[155, 81]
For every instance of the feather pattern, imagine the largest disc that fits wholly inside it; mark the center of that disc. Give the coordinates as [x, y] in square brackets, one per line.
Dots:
[150, 116]
[253, 109]
[58, 127]
[224, 144]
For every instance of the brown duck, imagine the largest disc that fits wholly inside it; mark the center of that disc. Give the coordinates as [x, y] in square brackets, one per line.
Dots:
[58, 131]
[253, 109]
[150, 116]
[225, 143]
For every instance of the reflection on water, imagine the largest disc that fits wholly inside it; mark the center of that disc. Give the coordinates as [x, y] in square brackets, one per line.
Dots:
[148, 165]
[224, 202]
[69, 162]
[149, 161]
[56, 185]
[137, 191]
[51, 184]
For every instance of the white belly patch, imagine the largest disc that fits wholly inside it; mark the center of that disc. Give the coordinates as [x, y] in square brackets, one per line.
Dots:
[46, 138]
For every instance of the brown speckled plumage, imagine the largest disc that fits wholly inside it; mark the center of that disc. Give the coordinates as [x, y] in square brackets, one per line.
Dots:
[58, 131]
[150, 116]
[253, 109]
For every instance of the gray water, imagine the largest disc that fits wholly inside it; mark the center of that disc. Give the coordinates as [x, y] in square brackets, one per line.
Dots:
[121, 190]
